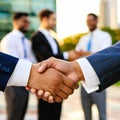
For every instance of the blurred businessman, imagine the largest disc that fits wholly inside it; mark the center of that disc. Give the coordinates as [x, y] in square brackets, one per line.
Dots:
[94, 41]
[45, 46]
[16, 44]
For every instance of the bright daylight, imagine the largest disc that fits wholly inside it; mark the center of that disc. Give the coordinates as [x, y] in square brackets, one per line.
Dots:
[59, 59]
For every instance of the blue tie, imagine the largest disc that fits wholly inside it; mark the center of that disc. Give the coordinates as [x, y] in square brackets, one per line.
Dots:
[89, 46]
[24, 47]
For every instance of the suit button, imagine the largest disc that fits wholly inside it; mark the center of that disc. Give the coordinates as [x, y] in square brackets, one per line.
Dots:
[5, 69]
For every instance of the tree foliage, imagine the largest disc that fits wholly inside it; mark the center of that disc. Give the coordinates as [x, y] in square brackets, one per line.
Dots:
[71, 41]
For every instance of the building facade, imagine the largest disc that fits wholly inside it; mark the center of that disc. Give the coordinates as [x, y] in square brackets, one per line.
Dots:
[8, 7]
[108, 14]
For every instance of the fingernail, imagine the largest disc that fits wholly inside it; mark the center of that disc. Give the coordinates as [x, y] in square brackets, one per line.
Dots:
[33, 91]
[40, 69]
[40, 92]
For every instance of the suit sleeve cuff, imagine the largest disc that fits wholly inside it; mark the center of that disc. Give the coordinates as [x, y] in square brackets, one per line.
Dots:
[66, 55]
[21, 74]
[91, 82]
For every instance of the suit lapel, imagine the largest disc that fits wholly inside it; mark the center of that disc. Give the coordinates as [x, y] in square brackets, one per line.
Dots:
[57, 45]
[45, 41]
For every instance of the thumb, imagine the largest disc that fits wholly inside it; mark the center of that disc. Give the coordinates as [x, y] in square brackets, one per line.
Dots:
[43, 66]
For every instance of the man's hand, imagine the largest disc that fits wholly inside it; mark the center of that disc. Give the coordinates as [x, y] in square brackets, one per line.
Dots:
[73, 55]
[56, 83]
[84, 53]
[71, 69]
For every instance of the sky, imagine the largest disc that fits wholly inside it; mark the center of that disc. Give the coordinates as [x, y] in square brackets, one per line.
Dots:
[71, 15]
[118, 10]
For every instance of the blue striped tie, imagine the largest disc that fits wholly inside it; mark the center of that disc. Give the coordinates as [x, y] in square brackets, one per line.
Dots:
[89, 46]
[24, 47]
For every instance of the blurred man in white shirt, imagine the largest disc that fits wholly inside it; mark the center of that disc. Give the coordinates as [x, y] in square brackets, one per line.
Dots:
[16, 44]
[94, 41]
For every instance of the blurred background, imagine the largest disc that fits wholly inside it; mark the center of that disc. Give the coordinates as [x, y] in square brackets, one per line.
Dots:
[71, 25]
[71, 16]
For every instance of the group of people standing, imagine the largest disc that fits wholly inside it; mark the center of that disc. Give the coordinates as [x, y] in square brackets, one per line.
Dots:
[42, 46]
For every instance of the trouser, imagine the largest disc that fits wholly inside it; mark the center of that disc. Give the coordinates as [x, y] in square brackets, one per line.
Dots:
[49, 111]
[17, 101]
[94, 98]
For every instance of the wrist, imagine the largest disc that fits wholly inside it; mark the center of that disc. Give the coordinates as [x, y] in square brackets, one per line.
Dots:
[30, 76]
[78, 70]
[31, 81]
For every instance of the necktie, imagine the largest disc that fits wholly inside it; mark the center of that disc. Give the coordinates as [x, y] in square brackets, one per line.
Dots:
[24, 47]
[89, 46]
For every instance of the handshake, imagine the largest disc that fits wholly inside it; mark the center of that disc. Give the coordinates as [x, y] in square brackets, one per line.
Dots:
[54, 80]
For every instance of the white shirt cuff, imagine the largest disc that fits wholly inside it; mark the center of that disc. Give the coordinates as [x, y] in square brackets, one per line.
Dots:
[66, 55]
[21, 74]
[91, 82]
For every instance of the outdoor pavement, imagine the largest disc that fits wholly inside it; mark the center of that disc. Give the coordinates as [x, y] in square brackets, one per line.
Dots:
[72, 109]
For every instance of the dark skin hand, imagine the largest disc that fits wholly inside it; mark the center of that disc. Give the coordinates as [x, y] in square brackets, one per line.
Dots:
[70, 69]
[59, 85]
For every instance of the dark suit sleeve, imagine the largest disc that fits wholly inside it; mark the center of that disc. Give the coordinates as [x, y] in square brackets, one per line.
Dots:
[106, 64]
[7, 66]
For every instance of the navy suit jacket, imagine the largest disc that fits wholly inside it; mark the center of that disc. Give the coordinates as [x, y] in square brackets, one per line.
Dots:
[106, 64]
[7, 66]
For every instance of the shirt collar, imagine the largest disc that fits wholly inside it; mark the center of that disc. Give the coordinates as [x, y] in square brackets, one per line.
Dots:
[18, 33]
[96, 30]
[45, 32]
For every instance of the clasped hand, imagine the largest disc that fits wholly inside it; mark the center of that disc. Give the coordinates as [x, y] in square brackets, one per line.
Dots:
[54, 80]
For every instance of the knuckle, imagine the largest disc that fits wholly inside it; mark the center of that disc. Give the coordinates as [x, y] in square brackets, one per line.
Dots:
[51, 58]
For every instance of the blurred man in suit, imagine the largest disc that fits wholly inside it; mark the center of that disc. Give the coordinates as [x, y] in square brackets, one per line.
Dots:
[16, 44]
[94, 41]
[45, 46]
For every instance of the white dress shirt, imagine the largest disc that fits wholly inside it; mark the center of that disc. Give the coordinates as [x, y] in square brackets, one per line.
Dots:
[52, 43]
[100, 40]
[12, 45]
